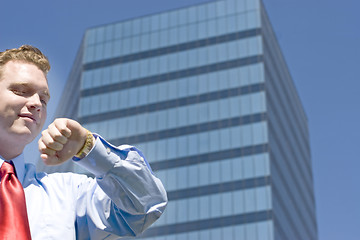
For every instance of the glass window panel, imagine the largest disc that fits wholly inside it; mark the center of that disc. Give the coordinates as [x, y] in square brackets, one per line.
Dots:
[99, 51]
[259, 133]
[204, 235]
[173, 19]
[226, 203]
[183, 116]
[193, 235]
[145, 41]
[182, 60]
[252, 4]
[213, 110]
[136, 26]
[164, 20]
[230, 7]
[222, 52]
[193, 175]
[109, 32]
[239, 232]
[193, 145]
[117, 48]
[192, 14]
[118, 30]
[155, 25]
[224, 109]
[121, 130]
[131, 126]
[234, 105]
[213, 82]
[161, 121]
[253, 20]
[164, 36]
[133, 97]
[135, 44]
[143, 95]
[192, 59]
[226, 170]
[203, 112]
[220, 8]
[245, 106]
[250, 200]
[171, 211]
[90, 37]
[172, 148]
[202, 33]
[228, 233]
[182, 146]
[182, 178]
[237, 169]
[172, 62]
[248, 166]
[214, 172]
[173, 36]
[260, 165]
[261, 199]
[145, 24]
[215, 233]
[170, 176]
[221, 26]
[182, 17]
[192, 111]
[251, 231]
[254, 46]
[263, 230]
[141, 125]
[203, 142]
[211, 10]
[89, 54]
[126, 46]
[201, 13]
[204, 174]
[225, 138]
[192, 85]
[240, 6]
[215, 203]
[100, 34]
[204, 203]
[115, 74]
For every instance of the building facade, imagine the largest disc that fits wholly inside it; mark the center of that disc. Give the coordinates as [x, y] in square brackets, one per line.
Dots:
[205, 93]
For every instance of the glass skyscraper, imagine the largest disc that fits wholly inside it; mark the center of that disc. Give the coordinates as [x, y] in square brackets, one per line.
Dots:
[205, 93]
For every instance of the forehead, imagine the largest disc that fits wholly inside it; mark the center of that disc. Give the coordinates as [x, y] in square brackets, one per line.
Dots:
[19, 71]
[25, 75]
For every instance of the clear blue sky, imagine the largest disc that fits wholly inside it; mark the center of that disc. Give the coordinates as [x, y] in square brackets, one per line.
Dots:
[320, 41]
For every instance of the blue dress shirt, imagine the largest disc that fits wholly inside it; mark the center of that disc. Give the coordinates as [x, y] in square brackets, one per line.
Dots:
[124, 199]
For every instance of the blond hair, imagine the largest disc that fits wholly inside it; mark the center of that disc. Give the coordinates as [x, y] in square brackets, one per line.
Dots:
[25, 53]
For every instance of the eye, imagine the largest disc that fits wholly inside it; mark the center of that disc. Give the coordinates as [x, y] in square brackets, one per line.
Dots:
[44, 102]
[18, 92]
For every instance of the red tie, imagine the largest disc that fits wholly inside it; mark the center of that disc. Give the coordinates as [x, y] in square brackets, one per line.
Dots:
[14, 223]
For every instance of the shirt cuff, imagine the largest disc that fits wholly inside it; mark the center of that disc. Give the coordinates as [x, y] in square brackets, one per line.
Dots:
[100, 159]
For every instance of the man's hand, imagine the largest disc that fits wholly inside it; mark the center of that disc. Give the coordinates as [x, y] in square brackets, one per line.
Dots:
[61, 141]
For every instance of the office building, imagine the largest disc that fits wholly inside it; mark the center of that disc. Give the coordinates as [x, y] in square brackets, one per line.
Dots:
[205, 93]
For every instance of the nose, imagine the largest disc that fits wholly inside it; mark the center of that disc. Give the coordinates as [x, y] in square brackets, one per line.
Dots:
[34, 102]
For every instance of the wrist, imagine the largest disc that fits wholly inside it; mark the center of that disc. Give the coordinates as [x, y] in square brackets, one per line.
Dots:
[86, 148]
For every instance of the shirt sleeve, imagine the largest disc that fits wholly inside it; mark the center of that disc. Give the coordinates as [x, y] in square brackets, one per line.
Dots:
[124, 199]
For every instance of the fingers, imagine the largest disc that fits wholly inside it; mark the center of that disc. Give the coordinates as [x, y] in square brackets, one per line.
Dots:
[54, 138]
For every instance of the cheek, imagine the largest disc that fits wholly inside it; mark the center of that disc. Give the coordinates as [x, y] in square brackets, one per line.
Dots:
[43, 116]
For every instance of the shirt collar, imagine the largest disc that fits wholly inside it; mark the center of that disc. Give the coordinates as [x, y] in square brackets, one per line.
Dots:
[19, 163]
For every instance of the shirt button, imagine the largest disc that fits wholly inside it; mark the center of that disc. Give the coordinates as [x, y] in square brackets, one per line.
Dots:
[108, 150]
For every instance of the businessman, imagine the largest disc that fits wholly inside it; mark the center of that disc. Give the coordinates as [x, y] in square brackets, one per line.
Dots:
[122, 200]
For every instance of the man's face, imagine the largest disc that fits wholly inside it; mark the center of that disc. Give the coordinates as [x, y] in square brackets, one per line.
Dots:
[24, 94]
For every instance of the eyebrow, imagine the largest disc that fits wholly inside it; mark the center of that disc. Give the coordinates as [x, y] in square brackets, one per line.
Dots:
[45, 93]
